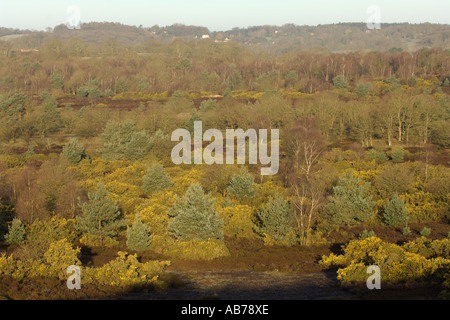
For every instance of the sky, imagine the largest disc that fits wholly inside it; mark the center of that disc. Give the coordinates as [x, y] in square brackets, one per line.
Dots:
[218, 15]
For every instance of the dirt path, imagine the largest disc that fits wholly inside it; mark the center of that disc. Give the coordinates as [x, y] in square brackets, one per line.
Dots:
[247, 285]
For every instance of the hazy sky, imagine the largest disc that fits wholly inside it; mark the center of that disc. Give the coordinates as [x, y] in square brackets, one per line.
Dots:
[218, 14]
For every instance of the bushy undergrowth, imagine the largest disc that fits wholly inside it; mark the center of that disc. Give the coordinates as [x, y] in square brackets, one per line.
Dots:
[418, 260]
[124, 271]
[192, 249]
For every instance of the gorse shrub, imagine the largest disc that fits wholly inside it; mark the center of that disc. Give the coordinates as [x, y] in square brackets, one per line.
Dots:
[126, 271]
[60, 255]
[397, 263]
[192, 249]
[41, 233]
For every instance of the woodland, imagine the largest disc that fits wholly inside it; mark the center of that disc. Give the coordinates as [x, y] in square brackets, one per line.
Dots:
[87, 179]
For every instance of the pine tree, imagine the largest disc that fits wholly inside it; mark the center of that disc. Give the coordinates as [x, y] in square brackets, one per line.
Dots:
[100, 215]
[57, 83]
[73, 152]
[16, 232]
[48, 118]
[398, 155]
[194, 217]
[241, 186]
[395, 212]
[190, 124]
[276, 219]
[156, 179]
[122, 140]
[349, 202]
[139, 235]
[30, 152]
[340, 82]
[361, 89]
[208, 105]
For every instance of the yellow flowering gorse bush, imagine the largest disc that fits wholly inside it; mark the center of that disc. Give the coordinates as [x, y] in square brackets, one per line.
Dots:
[397, 263]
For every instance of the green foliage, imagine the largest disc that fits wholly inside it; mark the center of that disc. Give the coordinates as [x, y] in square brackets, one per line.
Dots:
[73, 152]
[425, 231]
[30, 152]
[340, 82]
[109, 92]
[440, 133]
[139, 235]
[398, 155]
[48, 117]
[156, 179]
[242, 185]
[395, 212]
[13, 108]
[349, 203]
[183, 64]
[190, 123]
[6, 216]
[379, 156]
[122, 140]
[291, 78]
[361, 89]
[208, 105]
[143, 84]
[90, 89]
[194, 217]
[406, 231]
[57, 82]
[366, 234]
[276, 220]
[16, 232]
[100, 215]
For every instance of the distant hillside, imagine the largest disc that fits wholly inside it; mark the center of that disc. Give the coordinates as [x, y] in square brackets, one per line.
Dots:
[342, 37]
